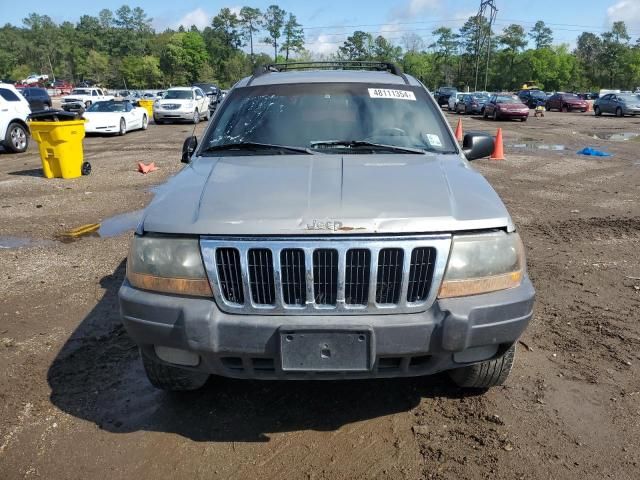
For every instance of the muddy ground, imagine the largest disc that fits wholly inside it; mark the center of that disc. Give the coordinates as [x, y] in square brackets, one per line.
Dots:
[75, 404]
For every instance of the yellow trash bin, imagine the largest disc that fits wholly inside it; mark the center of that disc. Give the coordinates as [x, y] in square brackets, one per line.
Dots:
[148, 106]
[60, 146]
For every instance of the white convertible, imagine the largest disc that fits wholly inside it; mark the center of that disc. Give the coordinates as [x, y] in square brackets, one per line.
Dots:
[115, 117]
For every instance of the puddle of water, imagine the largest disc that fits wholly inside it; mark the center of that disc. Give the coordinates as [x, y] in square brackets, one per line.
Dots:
[119, 224]
[8, 242]
[615, 136]
[538, 146]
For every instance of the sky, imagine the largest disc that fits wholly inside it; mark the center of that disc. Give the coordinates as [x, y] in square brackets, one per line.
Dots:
[327, 23]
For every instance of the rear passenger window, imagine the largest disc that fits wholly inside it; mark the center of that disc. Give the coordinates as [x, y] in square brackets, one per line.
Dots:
[8, 95]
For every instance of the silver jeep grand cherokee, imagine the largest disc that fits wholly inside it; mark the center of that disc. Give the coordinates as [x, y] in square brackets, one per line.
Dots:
[327, 226]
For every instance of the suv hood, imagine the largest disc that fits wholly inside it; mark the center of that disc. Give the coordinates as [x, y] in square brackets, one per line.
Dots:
[325, 194]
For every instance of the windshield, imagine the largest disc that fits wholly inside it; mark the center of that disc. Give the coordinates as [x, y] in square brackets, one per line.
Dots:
[571, 96]
[481, 97]
[323, 117]
[537, 94]
[507, 99]
[107, 107]
[81, 91]
[178, 95]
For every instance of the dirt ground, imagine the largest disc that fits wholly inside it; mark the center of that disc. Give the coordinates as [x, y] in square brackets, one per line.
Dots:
[75, 404]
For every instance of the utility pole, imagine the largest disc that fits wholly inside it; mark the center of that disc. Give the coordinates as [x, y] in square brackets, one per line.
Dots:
[489, 11]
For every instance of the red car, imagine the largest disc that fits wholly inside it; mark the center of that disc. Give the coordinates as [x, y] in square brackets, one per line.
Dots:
[505, 105]
[566, 102]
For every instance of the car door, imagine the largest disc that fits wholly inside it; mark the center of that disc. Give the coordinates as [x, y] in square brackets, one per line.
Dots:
[605, 103]
[134, 120]
[490, 106]
[201, 101]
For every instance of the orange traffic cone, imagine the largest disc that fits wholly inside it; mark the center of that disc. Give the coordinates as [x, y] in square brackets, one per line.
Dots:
[459, 130]
[498, 148]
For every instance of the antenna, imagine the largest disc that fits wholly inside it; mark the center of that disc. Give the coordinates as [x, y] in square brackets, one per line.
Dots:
[489, 11]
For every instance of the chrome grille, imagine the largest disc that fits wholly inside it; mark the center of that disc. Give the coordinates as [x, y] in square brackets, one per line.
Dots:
[325, 275]
[420, 273]
[261, 278]
[294, 287]
[356, 281]
[390, 264]
[229, 275]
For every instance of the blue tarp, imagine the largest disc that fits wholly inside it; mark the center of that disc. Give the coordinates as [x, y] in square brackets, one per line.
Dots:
[593, 152]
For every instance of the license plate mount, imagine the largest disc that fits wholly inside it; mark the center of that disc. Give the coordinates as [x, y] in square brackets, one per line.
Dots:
[322, 350]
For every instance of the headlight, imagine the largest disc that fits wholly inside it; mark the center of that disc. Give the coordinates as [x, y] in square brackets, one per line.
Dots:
[483, 263]
[168, 265]
[188, 105]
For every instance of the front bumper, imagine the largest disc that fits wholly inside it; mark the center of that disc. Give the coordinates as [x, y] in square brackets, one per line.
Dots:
[89, 128]
[173, 114]
[452, 333]
[507, 114]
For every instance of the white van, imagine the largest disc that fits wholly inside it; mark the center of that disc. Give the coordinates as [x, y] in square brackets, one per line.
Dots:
[14, 109]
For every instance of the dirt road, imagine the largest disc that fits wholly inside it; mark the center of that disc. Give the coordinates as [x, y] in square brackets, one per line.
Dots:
[74, 402]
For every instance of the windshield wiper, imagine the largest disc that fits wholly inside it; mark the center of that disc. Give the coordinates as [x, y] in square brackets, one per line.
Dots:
[255, 147]
[364, 143]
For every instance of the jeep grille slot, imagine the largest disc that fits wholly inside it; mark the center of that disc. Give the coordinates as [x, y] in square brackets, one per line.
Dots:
[356, 283]
[261, 278]
[325, 276]
[294, 285]
[229, 272]
[390, 261]
[420, 274]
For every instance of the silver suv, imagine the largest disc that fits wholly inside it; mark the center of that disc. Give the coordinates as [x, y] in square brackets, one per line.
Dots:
[327, 226]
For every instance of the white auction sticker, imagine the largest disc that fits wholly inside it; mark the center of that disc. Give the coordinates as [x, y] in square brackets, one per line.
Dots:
[389, 93]
[434, 140]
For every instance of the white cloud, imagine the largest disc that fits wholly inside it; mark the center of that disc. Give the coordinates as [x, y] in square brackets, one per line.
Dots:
[322, 44]
[414, 8]
[626, 10]
[198, 17]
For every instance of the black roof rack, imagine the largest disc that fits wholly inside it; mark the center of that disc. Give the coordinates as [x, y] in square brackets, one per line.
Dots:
[331, 65]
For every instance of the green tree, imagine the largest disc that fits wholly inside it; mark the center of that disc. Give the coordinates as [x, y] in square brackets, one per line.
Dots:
[514, 40]
[273, 23]
[588, 51]
[615, 44]
[293, 37]
[445, 47]
[226, 26]
[183, 57]
[385, 51]
[250, 22]
[357, 47]
[541, 35]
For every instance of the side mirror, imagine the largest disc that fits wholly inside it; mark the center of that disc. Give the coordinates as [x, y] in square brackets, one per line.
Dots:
[198, 97]
[477, 145]
[188, 147]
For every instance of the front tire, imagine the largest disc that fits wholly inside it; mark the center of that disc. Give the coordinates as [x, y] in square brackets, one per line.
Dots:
[596, 111]
[619, 112]
[495, 115]
[565, 108]
[17, 138]
[123, 127]
[196, 117]
[490, 373]
[145, 122]
[172, 379]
